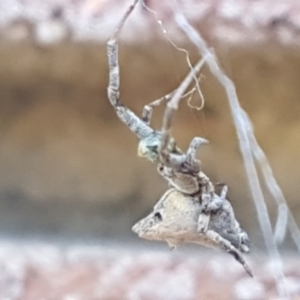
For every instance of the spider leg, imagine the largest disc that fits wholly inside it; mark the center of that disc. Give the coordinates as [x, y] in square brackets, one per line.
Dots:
[217, 201]
[113, 61]
[224, 191]
[245, 242]
[214, 204]
[148, 109]
[134, 123]
[194, 146]
[229, 248]
[192, 163]
[114, 73]
[128, 117]
[147, 114]
[225, 223]
[210, 201]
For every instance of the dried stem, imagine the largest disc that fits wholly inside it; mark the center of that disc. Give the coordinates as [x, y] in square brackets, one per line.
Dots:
[245, 146]
[285, 217]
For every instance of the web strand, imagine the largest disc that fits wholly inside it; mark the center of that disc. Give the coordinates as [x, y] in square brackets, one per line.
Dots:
[164, 31]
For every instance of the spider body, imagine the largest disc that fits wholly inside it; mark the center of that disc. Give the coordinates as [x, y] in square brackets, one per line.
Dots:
[148, 147]
[174, 219]
[184, 176]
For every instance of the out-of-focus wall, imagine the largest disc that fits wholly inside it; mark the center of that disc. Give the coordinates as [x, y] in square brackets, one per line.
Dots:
[67, 164]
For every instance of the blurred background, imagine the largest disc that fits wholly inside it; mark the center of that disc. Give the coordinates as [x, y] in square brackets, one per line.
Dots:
[71, 184]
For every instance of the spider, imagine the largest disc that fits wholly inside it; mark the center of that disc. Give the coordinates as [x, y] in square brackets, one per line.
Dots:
[181, 170]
